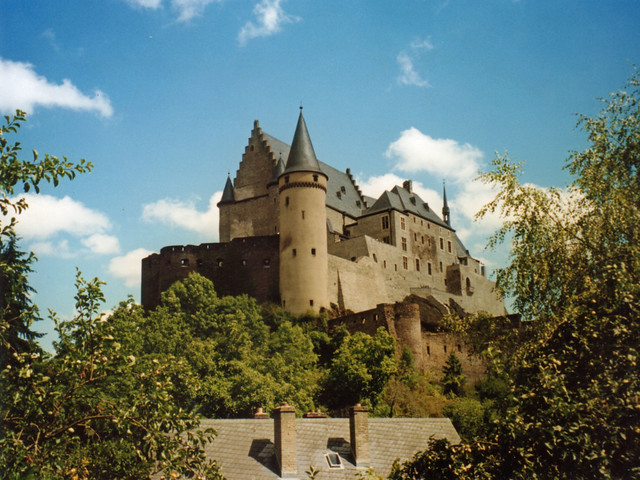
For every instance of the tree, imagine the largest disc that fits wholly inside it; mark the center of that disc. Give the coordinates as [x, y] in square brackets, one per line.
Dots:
[573, 386]
[453, 379]
[93, 410]
[360, 369]
[17, 312]
[226, 360]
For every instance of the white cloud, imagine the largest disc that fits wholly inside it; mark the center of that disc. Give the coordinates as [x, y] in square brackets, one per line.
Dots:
[48, 216]
[422, 44]
[127, 267]
[23, 88]
[415, 151]
[178, 213]
[102, 244]
[188, 9]
[408, 75]
[269, 20]
[53, 249]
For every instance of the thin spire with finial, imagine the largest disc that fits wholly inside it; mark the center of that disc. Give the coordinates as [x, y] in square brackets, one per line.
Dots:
[445, 206]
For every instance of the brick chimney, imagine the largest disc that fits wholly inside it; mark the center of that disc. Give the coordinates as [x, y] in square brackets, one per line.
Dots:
[260, 413]
[359, 431]
[285, 439]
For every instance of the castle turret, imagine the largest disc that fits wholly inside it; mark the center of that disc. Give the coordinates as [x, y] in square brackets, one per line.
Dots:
[228, 198]
[303, 238]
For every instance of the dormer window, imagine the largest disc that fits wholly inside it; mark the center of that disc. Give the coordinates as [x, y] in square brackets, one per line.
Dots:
[338, 194]
[334, 460]
[343, 190]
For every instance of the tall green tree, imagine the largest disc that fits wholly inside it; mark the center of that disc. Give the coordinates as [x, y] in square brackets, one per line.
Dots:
[17, 312]
[453, 378]
[572, 405]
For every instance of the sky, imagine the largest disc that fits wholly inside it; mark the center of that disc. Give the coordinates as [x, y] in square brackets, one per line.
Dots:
[160, 96]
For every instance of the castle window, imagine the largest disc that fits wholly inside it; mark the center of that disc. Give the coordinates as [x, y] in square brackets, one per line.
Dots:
[375, 259]
[441, 267]
[423, 239]
[266, 262]
[386, 240]
[417, 264]
[449, 246]
[244, 262]
[286, 201]
[395, 267]
[415, 237]
[421, 222]
[404, 244]
[315, 178]
[441, 244]
[333, 459]
[402, 223]
[385, 222]
[294, 252]
[384, 264]
[184, 262]
[286, 179]
[429, 226]
[303, 214]
[428, 350]
[445, 349]
[311, 303]
[353, 259]
[219, 261]
[313, 252]
[405, 263]
[429, 268]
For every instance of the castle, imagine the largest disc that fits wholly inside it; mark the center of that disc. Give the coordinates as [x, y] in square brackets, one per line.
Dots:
[298, 232]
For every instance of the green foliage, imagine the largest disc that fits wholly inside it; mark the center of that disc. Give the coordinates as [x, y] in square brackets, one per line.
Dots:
[17, 312]
[360, 369]
[453, 379]
[469, 416]
[93, 410]
[573, 389]
[226, 360]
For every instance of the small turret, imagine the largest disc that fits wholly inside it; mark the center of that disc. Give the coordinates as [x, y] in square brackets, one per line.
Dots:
[227, 194]
[445, 206]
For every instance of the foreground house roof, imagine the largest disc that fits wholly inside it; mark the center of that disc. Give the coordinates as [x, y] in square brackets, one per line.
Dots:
[245, 448]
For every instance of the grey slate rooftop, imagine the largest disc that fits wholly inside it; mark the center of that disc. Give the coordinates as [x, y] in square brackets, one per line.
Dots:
[245, 448]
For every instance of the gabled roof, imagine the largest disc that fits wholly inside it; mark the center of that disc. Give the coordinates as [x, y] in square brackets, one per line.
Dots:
[302, 157]
[245, 448]
[405, 201]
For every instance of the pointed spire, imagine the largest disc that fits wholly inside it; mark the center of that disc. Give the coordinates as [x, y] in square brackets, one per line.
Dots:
[302, 157]
[445, 206]
[279, 168]
[227, 195]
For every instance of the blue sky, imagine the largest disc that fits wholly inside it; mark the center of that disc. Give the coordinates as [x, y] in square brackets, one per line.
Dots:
[161, 95]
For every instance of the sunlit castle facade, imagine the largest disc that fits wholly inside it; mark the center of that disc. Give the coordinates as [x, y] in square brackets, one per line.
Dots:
[298, 232]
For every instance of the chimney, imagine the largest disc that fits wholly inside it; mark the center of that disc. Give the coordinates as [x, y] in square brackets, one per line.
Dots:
[260, 413]
[359, 430]
[314, 414]
[408, 185]
[285, 439]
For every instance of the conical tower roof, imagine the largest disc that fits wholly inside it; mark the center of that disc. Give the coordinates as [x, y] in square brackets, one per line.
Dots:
[302, 157]
[228, 195]
[445, 206]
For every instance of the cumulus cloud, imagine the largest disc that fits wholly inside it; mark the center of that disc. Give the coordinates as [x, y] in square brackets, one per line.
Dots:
[269, 19]
[50, 222]
[188, 9]
[415, 151]
[48, 215]
[184, 214]
[127, 267]
[102, 244]
[23, 88]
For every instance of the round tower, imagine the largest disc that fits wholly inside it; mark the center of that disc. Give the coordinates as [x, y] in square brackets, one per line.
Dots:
[303, 228]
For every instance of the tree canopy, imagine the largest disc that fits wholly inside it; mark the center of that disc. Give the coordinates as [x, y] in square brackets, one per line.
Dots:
[573, 389]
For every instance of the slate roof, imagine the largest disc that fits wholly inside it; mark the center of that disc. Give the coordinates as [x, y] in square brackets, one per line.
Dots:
[227, 195]
[245, 450]
[302, 157]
